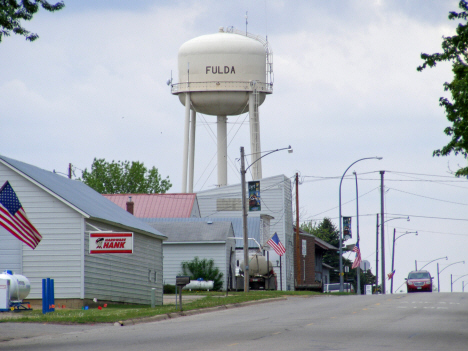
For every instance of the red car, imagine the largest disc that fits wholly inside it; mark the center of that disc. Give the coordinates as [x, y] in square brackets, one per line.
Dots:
[419, 281]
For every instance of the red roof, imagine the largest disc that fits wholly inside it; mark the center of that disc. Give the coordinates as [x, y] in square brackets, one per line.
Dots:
[156, 205]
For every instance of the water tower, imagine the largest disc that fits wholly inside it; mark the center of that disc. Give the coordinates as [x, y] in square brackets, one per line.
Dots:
[223, 74]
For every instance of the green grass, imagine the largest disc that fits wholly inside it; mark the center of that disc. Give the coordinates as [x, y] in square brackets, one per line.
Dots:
[118, 312]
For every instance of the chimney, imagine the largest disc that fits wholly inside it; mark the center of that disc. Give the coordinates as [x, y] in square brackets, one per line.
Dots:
[130, 205]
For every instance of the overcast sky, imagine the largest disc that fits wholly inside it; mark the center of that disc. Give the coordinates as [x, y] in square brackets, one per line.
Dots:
[346, 87]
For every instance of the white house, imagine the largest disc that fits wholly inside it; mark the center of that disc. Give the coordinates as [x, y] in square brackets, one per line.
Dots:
[202, 239]
[276, 201]
[65, 212]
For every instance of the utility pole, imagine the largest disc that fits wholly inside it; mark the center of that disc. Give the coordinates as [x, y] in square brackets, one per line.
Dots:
[298, 253]
[393, 260]
[377, 255]
[244, 223]
[382, 215]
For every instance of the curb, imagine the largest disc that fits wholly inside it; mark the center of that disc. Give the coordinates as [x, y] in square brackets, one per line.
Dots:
[172, 315]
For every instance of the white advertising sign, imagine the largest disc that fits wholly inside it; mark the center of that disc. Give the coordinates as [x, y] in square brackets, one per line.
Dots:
[368, 289]
[105, 243]
[304, 247]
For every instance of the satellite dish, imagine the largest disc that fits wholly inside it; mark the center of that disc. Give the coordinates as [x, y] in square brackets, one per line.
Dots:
[168, 82]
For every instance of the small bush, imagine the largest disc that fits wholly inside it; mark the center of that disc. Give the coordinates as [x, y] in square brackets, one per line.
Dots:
[169, 289]
[203, 269]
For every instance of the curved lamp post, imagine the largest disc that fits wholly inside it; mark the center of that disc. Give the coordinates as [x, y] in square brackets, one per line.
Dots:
[243, 170]
[438, 283]
[446, 257]
[393, 252]
[341, 229]
[377, 252]
[451, 288]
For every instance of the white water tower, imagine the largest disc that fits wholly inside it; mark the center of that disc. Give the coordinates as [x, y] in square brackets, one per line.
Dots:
[223, 74]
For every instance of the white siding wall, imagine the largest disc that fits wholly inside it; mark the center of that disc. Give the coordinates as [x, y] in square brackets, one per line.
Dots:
[11, 253]
[58, 255]
[175, 254]
[276, 200]
[125, 277]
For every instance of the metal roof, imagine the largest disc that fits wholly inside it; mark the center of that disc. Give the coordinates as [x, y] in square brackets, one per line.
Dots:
[319, 242]
[253, 226]
[156, 205]
[194, 232]
[79, 196]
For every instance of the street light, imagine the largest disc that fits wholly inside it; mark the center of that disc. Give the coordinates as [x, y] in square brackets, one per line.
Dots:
[446, 258]
[393, 253]
[377, 253]
[341, 229]
[438, 283]
[243, 170]
[451, 288]
[358, 268]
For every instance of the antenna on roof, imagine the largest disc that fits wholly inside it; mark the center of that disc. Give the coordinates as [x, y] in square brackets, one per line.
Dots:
[246, 22]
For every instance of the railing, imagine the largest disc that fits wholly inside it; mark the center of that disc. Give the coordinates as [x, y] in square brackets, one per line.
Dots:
[178, 88]
[266, 45]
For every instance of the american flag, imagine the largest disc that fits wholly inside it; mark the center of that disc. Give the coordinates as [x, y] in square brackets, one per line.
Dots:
[14, 219]
[357, 260]
[390, 275]
[275, 243]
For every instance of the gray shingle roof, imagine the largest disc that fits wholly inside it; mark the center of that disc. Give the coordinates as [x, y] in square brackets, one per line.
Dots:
[253, 226]
[193, 232]
[81, 196]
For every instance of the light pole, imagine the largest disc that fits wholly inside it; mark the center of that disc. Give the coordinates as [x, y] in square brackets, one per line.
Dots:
[243, 170]
[393, 253]
[358, 268]
[446, 258]
[377, 253]
[453, 282]
[438, 273]
[341, 229]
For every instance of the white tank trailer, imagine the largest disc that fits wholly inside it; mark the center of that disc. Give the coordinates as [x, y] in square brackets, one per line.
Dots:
[261, 274]
[19, 285]
[223, 74]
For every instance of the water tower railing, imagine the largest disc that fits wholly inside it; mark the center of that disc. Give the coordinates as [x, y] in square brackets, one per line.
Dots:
[178, 88]
[266, 45]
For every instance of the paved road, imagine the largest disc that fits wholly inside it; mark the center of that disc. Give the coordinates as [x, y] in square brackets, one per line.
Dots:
[420, 321]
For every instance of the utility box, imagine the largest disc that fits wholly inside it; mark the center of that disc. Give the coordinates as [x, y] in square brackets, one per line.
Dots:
[182, 280]
[4, 294]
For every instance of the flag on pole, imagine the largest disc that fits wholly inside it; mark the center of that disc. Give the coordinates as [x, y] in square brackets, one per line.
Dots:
[275, 243]
[390, 275]
[14, 219]
[357, 260]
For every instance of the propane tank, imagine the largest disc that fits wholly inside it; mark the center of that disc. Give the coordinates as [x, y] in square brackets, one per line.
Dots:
[19, 285]
[257, 265]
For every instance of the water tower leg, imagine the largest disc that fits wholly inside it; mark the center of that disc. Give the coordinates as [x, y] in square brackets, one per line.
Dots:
[193, 125]
[222, 151]
[186, 142]
[255, 148]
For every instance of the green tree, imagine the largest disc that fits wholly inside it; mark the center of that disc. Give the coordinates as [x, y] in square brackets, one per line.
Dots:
[12, 12]
[124, 178]
[203, 269]
[328, 232]
[456, 109]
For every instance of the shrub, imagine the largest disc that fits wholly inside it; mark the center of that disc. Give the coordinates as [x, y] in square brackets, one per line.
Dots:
[169, 289]
[203, 269]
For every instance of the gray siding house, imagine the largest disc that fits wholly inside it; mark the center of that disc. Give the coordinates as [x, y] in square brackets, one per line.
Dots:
[202, 239]
[65, 211]
[276, 201]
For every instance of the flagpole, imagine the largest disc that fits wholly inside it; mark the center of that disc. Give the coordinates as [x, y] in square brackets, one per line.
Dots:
[281, 276]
